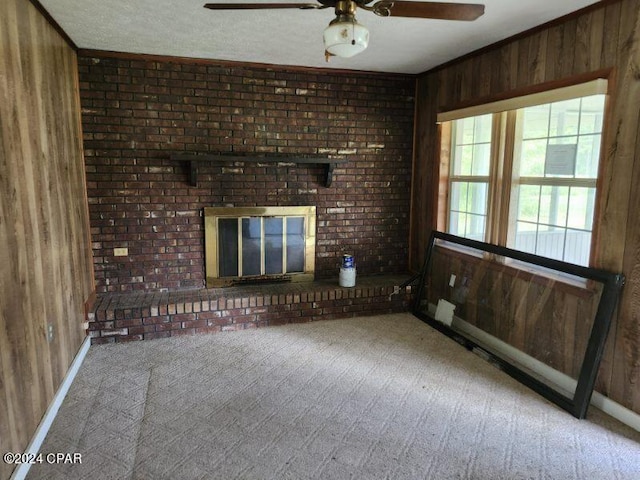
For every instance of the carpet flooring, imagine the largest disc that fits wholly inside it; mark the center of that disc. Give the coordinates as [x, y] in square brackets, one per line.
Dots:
[383, 397]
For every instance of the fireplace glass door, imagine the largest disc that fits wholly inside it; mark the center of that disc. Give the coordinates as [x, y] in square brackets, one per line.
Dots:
[261, 246]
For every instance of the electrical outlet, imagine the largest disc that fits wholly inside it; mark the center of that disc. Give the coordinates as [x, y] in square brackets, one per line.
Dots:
[49, 332]
[452, 280]
[120, 252]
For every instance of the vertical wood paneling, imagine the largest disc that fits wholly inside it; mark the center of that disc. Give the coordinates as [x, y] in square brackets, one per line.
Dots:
[600, 38]
[567, 57]
[537, 58]
[45, 262]
[625, 155]
[610, 28]
[423, 197]
[626, 371]
[554, 45]
[524, 63]
[609, 255]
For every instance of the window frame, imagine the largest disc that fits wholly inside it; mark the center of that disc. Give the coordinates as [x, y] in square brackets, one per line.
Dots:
[471, 178]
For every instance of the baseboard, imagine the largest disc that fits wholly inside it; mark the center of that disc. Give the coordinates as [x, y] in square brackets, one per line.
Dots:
[598, 400]
[43, 428]
[616, 410]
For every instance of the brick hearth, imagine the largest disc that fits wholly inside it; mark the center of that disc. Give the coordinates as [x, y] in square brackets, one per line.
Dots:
[118, 317]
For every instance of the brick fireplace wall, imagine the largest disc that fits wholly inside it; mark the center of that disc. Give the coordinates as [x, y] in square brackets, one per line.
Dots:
[136, 111]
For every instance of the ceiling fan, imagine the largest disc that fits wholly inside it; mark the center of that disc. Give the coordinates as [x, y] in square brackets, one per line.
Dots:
[345, 37]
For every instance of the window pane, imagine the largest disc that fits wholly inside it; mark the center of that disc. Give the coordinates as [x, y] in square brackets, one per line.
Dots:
[467, 225]
[477, 202]
[482, 132]
[581, 206]
[475, 227]
[588, 156]
[251, 246]
[481, 159]
[471, 146]
[554, 202]
[228, 247]
[528, 203]
[464, 131]
[459, 196]
[550, 242]
[592, 114]
[457, 223]
[532, 158]
[578, 246]
[525, 239]
[473, 130]
[545, 203]
[273, 235]
[565, 118]
[295, 244]
[536, 122]
[463, 160]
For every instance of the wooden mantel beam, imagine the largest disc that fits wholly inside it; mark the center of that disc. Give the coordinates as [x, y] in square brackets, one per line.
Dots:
[194, 160]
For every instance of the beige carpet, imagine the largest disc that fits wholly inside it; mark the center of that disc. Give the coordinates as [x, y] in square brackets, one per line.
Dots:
[380, 397]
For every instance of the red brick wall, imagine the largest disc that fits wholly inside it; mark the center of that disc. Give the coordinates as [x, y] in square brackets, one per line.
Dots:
[138, 111]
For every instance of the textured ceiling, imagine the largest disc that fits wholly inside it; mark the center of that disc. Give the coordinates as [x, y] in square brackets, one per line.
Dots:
[291, 37]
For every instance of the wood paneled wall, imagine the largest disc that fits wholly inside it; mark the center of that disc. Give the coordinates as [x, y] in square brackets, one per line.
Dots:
[46, 272]
[604, 36]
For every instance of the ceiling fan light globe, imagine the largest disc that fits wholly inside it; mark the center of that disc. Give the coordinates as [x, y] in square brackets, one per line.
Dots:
[345, 39]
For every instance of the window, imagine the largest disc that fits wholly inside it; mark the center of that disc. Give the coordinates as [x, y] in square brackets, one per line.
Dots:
[523, 173]
[469, 177]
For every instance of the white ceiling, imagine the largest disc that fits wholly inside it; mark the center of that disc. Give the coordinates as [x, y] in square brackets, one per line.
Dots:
[291, 37]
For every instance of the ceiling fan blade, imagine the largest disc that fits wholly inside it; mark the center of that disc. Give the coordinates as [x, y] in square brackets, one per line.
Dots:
[260, 6]
[436, 10]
